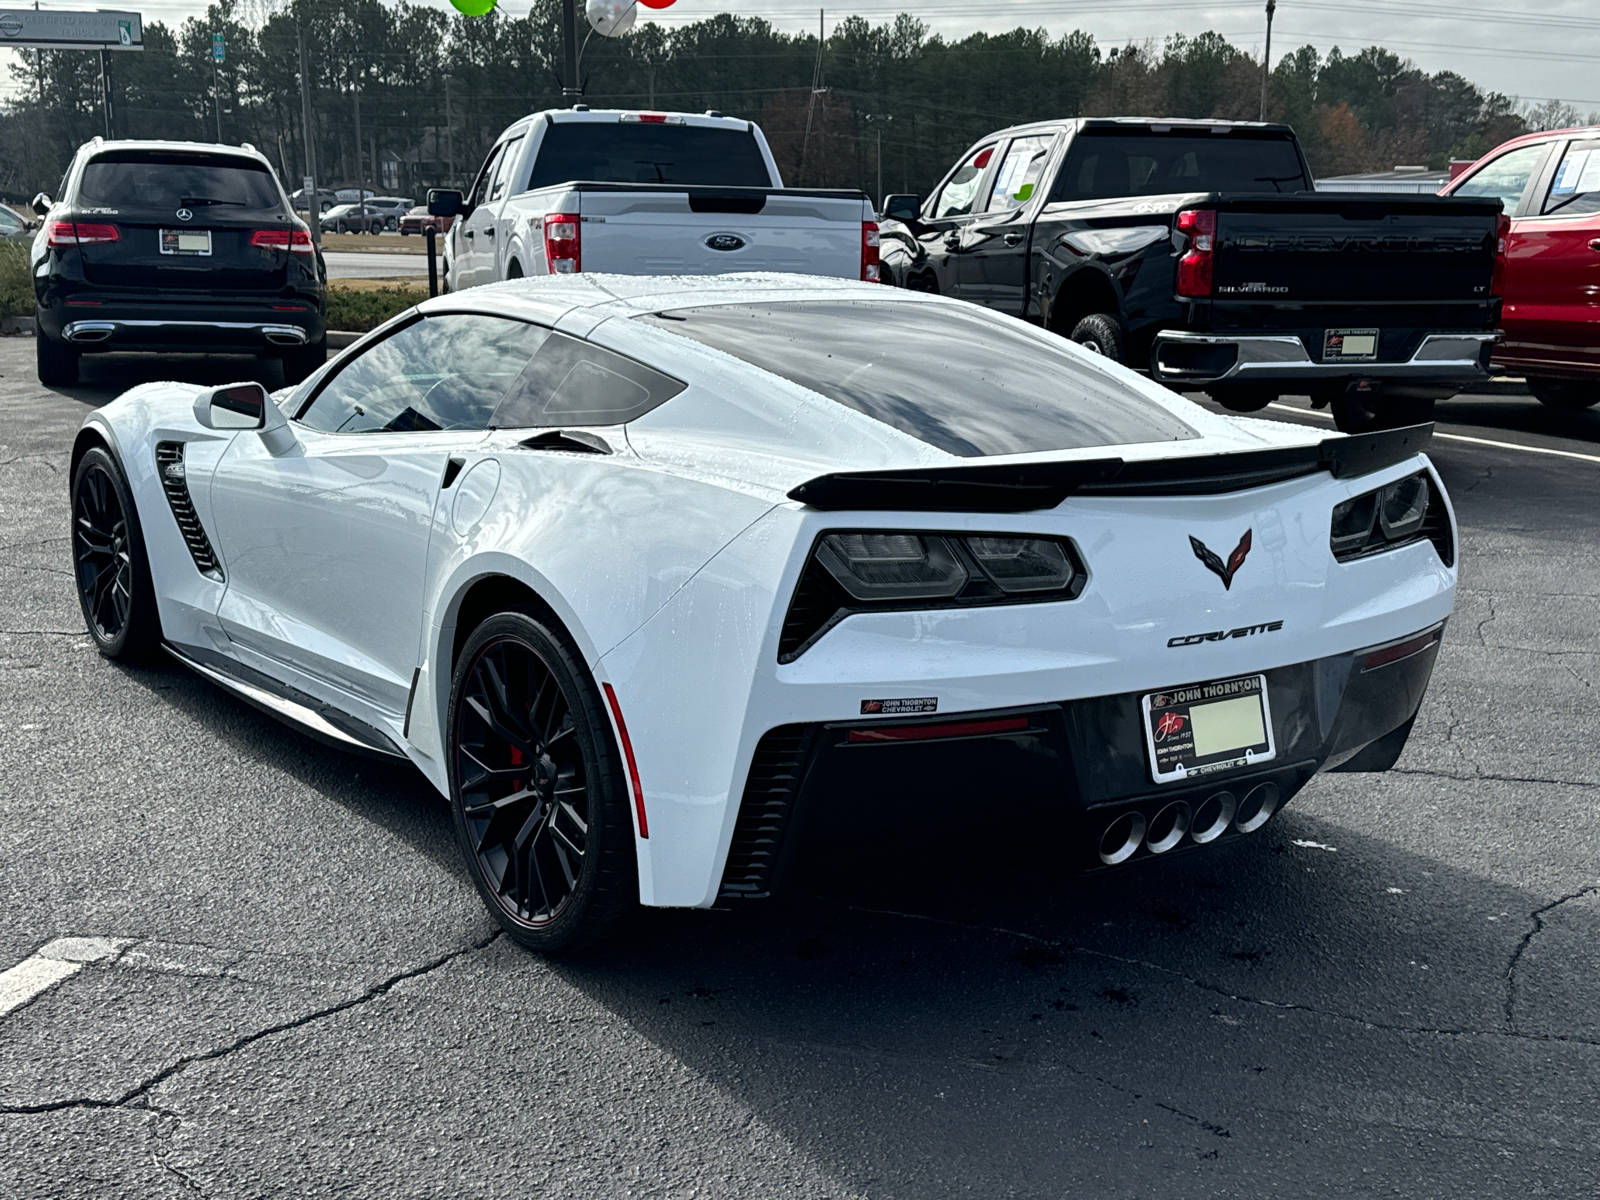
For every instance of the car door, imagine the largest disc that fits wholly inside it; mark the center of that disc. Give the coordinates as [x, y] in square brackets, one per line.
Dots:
[324, 527]
[1557, 247]
[473, 260]
[949, 211]
[994, 262]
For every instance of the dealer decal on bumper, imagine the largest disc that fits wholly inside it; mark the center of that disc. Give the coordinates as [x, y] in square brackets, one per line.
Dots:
[899, 708]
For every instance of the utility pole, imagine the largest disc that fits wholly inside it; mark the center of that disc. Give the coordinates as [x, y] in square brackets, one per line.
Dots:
[361, 181]
[313, 205]
[105, 87]
[1266, 59]
[449, 133]
[569, 52]
[878, 120]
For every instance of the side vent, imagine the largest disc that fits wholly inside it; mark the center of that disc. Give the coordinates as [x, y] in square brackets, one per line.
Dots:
[765, 811]
[1436, 528]
[169, 465]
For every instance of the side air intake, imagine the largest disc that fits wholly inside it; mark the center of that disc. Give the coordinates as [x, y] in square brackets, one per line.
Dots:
[765, 811]
[169, 465]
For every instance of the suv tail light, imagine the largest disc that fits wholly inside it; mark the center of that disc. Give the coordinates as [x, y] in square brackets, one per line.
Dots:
[563, 243]
[295, 241]
[1502, 238]
[871, 270]
[79, 233]
[1194, 268]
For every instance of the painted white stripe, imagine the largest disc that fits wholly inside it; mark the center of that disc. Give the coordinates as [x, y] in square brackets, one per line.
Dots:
[1459, 437]
[55, 961]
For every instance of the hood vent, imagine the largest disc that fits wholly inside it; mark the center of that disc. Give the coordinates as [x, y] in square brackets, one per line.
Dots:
[170, 467]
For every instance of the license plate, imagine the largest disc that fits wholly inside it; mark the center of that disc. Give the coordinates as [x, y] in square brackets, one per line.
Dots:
[1203, 728]
[1349, 345]
[186, 241]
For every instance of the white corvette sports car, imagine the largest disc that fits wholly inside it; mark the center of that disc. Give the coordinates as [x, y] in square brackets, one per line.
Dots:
[640, 571]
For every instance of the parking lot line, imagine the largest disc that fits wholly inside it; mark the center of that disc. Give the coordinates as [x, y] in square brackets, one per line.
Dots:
[54, 961]
[1461, 437]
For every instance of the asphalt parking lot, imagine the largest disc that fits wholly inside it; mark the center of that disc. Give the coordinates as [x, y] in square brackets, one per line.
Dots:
[292, 990]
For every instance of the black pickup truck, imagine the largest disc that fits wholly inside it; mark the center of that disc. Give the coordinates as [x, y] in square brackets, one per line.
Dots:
[1202, 253]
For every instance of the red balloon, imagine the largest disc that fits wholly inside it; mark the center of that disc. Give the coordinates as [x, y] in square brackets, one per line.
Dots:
[656, 3]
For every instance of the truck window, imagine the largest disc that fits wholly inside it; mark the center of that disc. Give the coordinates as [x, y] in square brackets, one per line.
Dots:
[1019, 172]
[665, 154]
[502, 172]
[967, 382]
[955, 199]
[1576, 188]
[480, 187]
[1505, 178]
[1101, 166]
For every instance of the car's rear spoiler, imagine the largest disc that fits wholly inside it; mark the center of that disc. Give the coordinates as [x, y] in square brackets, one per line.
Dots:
[1026, 487]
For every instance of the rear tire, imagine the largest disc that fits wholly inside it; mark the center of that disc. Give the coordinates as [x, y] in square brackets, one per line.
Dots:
[1354, 412]
[1101, 333]
[1243, 398]
[57, 362]
[299, 364]
[110, 567]
[1566, 395]
[537, 786]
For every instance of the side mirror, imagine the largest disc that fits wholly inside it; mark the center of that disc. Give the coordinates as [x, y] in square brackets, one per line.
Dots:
[905, 209]
[235, 406]
[42, 204]
[443, 202]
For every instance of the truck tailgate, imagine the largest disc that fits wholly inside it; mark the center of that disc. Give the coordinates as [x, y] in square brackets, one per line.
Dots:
[1310, 248]
[711, 231]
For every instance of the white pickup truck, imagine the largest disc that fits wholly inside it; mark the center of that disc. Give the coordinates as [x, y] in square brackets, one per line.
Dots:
[645, 193]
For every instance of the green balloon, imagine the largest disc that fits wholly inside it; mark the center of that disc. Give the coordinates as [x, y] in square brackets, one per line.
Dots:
[473, 8]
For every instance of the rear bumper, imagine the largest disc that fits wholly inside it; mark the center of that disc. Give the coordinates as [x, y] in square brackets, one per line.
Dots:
[1180, 357]
[237, 328]
[1074, 776]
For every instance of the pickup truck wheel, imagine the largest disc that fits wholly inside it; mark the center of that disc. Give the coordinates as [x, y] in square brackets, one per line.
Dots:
[1356, 412]
[514, 270]
[1569, 395]
[1242, 398]
[1101, 333]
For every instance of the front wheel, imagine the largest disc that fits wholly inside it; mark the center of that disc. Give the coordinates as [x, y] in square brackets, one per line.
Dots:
[537, 786]
[109, 562]
[1566, 395]
[1101, 333]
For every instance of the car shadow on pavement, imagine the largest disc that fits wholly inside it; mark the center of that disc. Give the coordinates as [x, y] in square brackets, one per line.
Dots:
[1306, 1012]
[1520, 414]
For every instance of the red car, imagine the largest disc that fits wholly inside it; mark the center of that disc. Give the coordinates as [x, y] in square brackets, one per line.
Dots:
[1550, 185]
[417, 219]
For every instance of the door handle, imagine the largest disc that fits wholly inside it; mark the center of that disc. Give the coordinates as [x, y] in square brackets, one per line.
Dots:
[1595, 245]
[451, 470]
[468, 232]
[952, 240]
[489, 231]
[1012, 239]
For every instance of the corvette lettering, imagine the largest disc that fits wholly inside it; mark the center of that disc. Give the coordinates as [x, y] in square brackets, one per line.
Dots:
[1223, 635]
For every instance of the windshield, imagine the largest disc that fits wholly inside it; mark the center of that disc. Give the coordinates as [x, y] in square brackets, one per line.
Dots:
[681, 154]
[967, 383]
[1117, 163]
[153, 179]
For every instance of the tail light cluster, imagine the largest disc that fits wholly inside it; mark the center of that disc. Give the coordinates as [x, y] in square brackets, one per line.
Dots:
[1502, 235]
[871, 270]
[1394, 515]
[1194, 268]
[79, 233]
[563, 243]
[887, 571]
[295, 241]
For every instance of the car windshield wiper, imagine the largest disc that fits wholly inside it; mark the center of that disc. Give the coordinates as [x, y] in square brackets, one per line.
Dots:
[197, 201]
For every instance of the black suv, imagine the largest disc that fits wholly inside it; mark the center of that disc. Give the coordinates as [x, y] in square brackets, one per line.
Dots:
[175, 246]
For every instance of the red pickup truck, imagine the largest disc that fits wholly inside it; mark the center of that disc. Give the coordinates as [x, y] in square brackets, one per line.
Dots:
[1550, 185]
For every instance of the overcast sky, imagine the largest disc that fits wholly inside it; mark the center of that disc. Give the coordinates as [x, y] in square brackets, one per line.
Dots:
[1551, 49]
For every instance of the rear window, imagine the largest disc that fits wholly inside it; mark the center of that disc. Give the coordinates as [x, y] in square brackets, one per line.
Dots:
[681, 154]
[146, 179]
[960, 381]
[1100, 166]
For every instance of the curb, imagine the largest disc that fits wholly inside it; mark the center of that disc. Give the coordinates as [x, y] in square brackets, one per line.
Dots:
[16, 326]
[338, 339]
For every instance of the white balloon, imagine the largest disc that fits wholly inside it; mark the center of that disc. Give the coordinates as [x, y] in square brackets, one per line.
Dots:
[611, 18]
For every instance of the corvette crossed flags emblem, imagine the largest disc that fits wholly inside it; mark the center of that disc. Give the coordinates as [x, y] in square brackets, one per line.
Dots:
[1223, 571]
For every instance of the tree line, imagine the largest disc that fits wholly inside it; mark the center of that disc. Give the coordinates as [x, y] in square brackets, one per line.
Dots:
[405, 97]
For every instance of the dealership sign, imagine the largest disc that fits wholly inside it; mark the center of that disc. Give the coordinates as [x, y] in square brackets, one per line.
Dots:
[28, 27]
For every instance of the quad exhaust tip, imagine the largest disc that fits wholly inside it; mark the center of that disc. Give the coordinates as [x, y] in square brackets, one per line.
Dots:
[1166, 830]
[1122, 838]
[1168, 826]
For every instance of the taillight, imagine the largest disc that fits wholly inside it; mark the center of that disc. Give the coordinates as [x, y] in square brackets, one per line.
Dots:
[1194, 268]
[1502, 238]
[563, 247]
[871, 270]
[295, 241]
[79, 233]
[645, 118]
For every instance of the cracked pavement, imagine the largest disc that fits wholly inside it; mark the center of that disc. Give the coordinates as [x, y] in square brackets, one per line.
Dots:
[1392, 989]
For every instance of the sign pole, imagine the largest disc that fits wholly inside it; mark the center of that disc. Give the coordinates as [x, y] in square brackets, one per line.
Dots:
[313, 205]
[569, 52]
[217, 52]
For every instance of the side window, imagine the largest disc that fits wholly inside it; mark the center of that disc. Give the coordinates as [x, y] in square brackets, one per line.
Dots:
[1505, 178]
[502, 171]
[480, 187]
[571, 382]
[444, 372]
[1020, 170]
[955, 199]
[1576, 190]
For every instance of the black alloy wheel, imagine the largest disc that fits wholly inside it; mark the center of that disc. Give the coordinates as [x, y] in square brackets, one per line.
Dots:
[1566, 395]
[537, 786]
[109, 564]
